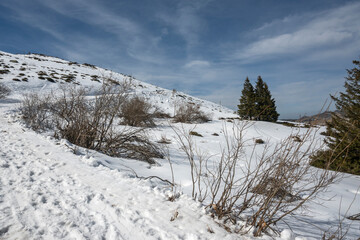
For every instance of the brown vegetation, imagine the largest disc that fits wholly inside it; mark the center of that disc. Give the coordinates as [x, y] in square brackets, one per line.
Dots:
[190, 113]
[271, 185]
[90, 123]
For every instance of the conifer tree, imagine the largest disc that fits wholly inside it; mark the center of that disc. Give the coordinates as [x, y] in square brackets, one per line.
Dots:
[246, 108]
[265, 104]
[343, 131]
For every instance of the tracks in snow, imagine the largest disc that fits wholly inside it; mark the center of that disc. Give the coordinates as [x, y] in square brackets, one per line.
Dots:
[47, 193]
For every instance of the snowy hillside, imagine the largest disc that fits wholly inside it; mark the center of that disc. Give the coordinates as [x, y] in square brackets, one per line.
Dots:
[26, 73]
[51, 189]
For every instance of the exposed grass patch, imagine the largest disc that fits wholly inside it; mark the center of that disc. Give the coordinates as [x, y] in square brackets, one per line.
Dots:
[259, 141]
[193, 133]
[4, 71]
[296, 138]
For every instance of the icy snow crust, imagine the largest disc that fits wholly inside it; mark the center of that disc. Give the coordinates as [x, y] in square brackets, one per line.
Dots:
[48, 192]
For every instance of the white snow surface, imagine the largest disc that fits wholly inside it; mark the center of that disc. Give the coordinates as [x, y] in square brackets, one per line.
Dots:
[48, 192]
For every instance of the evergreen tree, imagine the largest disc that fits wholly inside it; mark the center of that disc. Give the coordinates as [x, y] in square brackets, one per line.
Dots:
[246, 108]
[265, 104]
[344, 129]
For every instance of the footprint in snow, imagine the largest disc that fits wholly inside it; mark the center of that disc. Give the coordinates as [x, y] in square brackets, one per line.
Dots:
[5, 165]
[4, 230]
[43, 199]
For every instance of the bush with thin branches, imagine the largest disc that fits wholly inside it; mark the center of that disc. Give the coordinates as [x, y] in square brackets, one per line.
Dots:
[190, 113]
[90, 123]
[270, 186]
[4, 91]
[136, 112]
[35, 110]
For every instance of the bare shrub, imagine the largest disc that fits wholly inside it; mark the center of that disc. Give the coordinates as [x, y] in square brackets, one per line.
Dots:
[160, 114]
[90, 123]
[4, 91]
[137, 112]
[92, 126]
[73, 118]
[35, 110]
[268, 188]
[132, 143]
[197, 161]
[190, 113]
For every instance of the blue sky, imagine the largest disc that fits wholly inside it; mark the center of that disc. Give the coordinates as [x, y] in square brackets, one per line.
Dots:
[204, 48]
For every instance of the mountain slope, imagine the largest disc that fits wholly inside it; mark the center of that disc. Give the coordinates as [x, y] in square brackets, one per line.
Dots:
[34, 72]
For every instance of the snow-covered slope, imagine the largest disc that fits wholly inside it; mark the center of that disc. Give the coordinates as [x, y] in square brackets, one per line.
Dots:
[47, 192]
[34, 72]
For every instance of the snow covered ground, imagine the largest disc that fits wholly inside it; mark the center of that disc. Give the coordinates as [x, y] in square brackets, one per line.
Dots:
[48, 192]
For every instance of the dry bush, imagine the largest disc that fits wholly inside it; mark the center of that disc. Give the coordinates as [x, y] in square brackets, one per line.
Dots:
[286, 182]
[196, 161]
[35, 111]
[72, 117]
[4, 91]
[271, 186]
[132, 143]
[136, 112]
[160, 114]
[95, 128]
[90, 123]
[190, 113]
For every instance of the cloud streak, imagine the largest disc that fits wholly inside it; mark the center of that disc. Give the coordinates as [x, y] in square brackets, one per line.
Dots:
[137, 41]
[197, 63]
[186, 22]
[325, 30]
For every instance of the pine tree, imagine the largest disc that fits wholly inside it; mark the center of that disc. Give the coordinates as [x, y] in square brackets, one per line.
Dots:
[265, 104]
[343, 131]
[246, 108]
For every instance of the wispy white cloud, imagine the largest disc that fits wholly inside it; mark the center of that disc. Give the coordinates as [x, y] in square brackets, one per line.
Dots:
[294, 42]
[93, 13]
[304, 97]
[138, 42]
[43, 22]
[197, 63]
[186, 21]
[323, 30]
